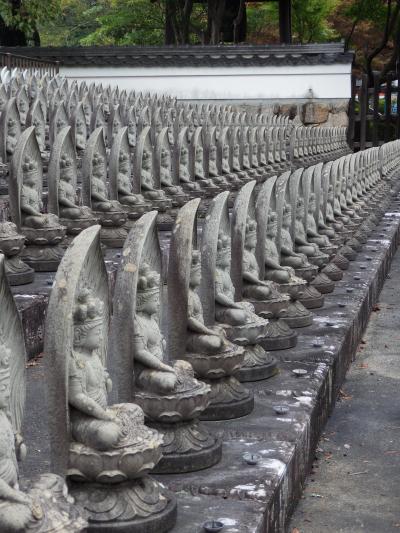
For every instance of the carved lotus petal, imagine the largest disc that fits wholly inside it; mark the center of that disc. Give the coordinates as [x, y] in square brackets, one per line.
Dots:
[218, 365]
[175, 407]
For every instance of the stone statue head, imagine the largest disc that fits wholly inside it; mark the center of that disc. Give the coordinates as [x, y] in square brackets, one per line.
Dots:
[223, 251]
[5, 376]
[66, 168]
[225, 151]
[29, 171]
[195, 270]
[236, 150]
[88, 321]
[331, 194]
[148, 290]
[251, 234]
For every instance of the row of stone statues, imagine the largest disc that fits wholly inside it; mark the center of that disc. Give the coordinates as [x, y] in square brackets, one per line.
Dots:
[231, 277]
[108, 157]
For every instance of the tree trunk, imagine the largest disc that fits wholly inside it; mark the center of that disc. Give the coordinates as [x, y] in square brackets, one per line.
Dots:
[216, 10]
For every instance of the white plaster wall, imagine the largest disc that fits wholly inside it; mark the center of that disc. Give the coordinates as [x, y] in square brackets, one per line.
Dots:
[220, 83]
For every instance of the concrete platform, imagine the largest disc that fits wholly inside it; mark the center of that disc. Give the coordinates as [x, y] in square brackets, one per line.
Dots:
[354, 483]
[261, 497]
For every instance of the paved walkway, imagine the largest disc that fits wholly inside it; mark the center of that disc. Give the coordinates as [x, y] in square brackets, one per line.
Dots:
[355, 483]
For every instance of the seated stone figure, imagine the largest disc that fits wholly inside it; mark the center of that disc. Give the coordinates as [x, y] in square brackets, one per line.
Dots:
[12, 133]
[125, 194]
[40, 134]
[147, 179]
[201, 339]
[166, 175]
[149, 343]
[343, 202]
[213, 169]
[337, 211]
[151, 373]
[184, 175]
[80, 134]
[331, 221]
[302, 244]
[253, 286]
[67, 194]
[227, 311]
[93, 422]
[312, 231]
[273, 269]
[44, 508]
[199, 174]
[229, 176]
[290, 257]
[99, 194]
[31, 204]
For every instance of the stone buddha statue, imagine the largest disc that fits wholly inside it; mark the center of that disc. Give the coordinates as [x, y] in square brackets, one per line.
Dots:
[235, 158]
[263, 150]
[228, 175]
[40, 133]
[335, 223]
[12, 135]
[166, 173]
[343, 200]
[31, 204]
[80, 134]
[99, 194]
[302, 245]
[23, 108]
[253, 286]
[125, 194]
[66, 192]
[46, 507]
[227, 311]
[132, 132]
[313, 234]
[151, 372]
[147, 178]
[273, 268]
[93, 423]
[290, 257]
[337, 207]
[213, 172]
[201, 339]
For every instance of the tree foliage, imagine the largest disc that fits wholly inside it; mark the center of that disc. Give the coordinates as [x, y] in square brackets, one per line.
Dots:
[371, 27]
[19, 20]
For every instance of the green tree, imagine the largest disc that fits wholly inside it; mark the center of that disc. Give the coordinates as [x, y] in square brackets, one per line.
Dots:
[310, 20]
[19, 20]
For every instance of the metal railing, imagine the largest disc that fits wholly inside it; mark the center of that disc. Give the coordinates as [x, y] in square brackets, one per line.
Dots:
[29, 63]
[374, 112]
